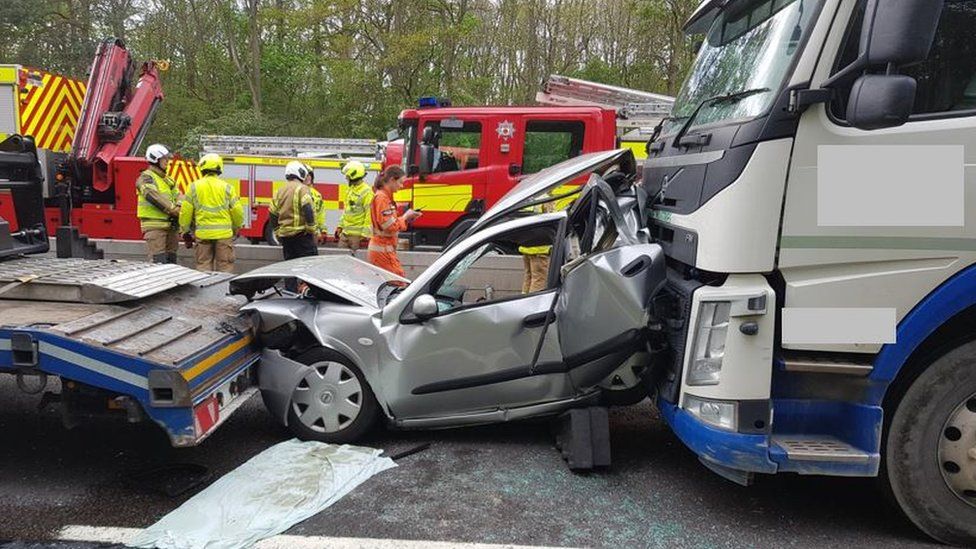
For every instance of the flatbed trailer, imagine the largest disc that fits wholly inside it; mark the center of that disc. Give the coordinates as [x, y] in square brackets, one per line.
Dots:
[135, 340]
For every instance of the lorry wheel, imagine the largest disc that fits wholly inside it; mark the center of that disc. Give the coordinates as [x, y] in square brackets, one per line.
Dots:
[332, 403]
[930, 455]
[269, 236]
[459, 229]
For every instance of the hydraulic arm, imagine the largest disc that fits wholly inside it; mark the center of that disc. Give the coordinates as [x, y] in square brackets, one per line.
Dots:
[115, 116]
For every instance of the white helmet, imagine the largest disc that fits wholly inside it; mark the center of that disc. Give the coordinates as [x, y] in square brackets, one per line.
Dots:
[155, 153]
[296, 170]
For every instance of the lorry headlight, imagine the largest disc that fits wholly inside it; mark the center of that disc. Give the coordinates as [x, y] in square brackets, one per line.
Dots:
[719, 413]
[709, 345]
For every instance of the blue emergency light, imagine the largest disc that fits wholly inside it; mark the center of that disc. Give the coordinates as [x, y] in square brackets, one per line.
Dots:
[433, 102]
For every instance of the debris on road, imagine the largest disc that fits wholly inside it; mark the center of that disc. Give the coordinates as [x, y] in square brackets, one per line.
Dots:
[265, 496]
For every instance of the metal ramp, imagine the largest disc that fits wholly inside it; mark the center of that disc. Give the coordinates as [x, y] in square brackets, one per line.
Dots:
[635, 109]
[93, 281]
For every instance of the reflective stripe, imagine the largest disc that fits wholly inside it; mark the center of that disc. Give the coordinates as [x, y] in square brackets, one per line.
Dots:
[388, 223]
[213, 227]
[383, 248]
[213, 209]
[91, 364]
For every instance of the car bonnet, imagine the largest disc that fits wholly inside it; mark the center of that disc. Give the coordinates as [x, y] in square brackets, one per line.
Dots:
[344, 276]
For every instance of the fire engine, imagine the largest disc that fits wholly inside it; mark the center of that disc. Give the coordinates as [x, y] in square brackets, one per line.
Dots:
[460, 160]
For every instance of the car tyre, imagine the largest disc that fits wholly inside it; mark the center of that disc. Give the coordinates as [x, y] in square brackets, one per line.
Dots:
[333, 402]
[933, 428]
[629, 385]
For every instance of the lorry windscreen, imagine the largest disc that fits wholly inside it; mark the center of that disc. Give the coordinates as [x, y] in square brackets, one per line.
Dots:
[752, 44]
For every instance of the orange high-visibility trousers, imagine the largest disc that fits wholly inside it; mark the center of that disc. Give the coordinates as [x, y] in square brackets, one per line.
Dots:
[386, 260]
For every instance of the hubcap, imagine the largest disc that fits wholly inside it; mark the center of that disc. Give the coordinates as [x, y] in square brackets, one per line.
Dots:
[329, 398]
[957, 451]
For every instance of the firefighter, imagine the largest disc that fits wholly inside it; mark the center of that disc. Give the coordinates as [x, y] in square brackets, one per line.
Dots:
[319, 204]
[293, 213]
[355, 224]
[159, 207]
[211, 217]
[536, 260]
[382, 250]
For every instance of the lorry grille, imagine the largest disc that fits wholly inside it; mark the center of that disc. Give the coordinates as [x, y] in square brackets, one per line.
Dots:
[673, 308]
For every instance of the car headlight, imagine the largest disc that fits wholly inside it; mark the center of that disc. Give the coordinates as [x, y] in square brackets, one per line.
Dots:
[719, 413]
[709, 344]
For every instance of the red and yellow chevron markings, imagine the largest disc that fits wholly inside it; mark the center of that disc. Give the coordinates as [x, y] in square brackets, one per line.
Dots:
[183, 172]
[49, 107]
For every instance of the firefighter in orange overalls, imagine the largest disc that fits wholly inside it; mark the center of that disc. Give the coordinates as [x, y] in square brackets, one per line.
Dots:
[386, 223]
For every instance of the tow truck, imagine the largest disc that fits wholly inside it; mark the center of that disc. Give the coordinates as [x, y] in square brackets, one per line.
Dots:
[131, 340]
[810, 193]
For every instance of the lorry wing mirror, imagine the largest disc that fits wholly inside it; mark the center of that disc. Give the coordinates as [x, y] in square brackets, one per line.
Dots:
[894, 34]
[881, 101]
[392, 135]
[900, 33]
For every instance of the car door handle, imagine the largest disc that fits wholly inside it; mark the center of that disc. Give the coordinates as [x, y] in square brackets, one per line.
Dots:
[636, 266]
[536, 320]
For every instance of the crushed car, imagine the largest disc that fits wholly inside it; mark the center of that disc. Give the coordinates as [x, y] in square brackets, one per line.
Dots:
[360, 344]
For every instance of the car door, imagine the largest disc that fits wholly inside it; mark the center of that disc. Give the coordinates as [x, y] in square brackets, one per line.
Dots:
[602, 310]
[477, 355]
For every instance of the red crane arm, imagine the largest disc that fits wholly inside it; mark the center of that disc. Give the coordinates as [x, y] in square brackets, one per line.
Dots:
[114, 118]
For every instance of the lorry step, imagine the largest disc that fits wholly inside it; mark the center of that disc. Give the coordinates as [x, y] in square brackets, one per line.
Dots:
[819, 448]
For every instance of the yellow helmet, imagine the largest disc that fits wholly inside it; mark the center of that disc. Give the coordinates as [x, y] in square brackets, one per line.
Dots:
[354, 170]
[211, 162]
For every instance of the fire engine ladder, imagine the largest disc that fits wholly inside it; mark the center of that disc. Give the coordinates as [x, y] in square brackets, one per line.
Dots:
[305, 147]
[635, 109]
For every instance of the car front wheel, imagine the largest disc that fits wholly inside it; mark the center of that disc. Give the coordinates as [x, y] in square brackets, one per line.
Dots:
[332, 402]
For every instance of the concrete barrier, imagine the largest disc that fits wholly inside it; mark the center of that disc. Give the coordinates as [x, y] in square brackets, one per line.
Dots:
[502, 273]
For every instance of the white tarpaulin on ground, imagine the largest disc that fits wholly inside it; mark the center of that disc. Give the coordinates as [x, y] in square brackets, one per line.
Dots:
[272, 491]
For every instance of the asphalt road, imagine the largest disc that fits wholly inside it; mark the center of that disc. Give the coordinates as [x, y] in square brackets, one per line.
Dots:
[501, 484]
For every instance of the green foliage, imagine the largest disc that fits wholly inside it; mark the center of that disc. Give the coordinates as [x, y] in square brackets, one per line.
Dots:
[345, 68]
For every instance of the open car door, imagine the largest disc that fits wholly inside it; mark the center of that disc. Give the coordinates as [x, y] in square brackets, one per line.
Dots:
[602, 308]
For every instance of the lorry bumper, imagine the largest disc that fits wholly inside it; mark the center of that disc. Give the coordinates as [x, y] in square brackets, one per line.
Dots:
[736, 451]
[736, 455]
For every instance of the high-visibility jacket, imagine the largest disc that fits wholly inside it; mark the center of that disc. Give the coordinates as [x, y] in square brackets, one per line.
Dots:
[212, 209]
[155, 187]
[386, 223]
[319, 203]
[355, 218]
[538, 250]
[290, 204]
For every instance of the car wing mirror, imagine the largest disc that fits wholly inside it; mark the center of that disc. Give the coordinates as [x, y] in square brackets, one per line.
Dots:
[424, 307]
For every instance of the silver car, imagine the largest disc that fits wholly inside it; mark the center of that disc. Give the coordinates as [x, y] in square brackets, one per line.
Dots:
[362, 344]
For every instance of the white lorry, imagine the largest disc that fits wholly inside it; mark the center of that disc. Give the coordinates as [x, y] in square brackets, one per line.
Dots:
[810, 192]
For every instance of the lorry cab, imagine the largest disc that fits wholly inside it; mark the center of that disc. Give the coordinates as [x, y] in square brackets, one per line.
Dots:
[809, 190]
[461, 160]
